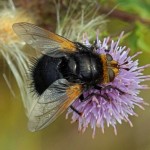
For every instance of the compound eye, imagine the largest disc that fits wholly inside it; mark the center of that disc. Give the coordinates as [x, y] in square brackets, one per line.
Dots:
[111, 75]
[109, 57]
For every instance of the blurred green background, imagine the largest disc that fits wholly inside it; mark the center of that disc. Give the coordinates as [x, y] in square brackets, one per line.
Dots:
[132, 16]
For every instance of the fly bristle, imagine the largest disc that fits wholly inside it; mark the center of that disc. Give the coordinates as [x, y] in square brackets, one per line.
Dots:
[30, 78]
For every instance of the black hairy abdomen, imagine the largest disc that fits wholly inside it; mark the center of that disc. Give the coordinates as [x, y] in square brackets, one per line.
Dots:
[44, 73]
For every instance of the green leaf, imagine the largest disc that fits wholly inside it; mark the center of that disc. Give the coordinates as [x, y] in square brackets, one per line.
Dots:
[131, 42]
[143, 34]
[140, 7]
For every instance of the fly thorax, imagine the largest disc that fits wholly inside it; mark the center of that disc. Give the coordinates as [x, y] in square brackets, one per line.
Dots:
[88, 67]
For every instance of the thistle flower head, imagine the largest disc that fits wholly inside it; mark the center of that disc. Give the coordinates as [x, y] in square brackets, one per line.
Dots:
[115, 101]
[8, 18]
[11, 49]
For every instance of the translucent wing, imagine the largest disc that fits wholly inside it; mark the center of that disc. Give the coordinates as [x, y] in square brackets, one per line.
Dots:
[43, 40]
[53, 102]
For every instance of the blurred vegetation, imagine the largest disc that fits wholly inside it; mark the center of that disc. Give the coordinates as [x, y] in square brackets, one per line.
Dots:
[131, 16]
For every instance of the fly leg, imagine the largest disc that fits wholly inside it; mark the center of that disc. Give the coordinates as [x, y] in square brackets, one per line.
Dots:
[75, 110]
[82, 99]
[106, 96]
[115, 88]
